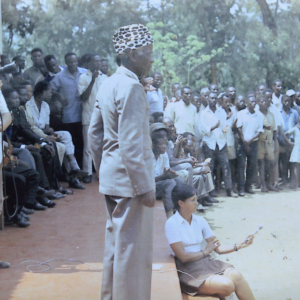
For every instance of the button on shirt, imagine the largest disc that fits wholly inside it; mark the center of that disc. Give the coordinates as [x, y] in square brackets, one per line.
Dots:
[215, 137]
[183, 117]
[177, 229]
[160, 164]
[156, 101]
[88, 106]
[251, 123]
[290, 119]
[67, 85]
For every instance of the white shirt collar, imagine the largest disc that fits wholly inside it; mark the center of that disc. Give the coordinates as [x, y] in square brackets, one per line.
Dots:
[181, 220]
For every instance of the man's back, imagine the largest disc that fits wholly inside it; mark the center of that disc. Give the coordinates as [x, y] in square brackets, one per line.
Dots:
[127, 166]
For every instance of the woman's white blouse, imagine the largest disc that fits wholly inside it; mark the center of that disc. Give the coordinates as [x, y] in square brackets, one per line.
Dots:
[177, 229]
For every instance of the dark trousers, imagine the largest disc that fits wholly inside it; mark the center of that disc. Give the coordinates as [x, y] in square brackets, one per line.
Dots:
[22, 180]
[219, 158]
[251, 168]
[75, 130]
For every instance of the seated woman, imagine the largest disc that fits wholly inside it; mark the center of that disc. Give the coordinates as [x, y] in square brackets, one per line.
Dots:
[198, 273]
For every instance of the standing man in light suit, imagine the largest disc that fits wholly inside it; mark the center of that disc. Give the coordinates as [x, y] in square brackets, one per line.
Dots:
[121, 147]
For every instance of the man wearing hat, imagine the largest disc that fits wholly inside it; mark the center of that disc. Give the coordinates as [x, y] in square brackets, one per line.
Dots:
[121, 149]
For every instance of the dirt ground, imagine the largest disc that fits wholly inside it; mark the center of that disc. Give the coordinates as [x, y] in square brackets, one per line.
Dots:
[271, 263]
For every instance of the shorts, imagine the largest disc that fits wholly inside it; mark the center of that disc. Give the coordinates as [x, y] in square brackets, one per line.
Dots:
[265, 150]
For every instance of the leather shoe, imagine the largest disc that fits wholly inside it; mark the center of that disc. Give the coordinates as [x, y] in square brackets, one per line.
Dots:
[87, 179]
[249, 190]
[242, 193]
[24, 216]
[56, 196]
[36, 206]
[231, 193]
[65, 191]
[21, 222]
[44, 193]
[213, 194]
[75, 183]
[4, 265]
[79, 174]
[210, 199]
[46, 202]
[206, 203]
[27, 211]
[272, 188]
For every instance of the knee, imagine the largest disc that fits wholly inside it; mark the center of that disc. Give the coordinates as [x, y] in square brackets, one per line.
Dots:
[235, 276]
[228, 287]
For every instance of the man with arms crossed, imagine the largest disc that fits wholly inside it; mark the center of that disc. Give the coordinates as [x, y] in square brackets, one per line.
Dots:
[120, 141]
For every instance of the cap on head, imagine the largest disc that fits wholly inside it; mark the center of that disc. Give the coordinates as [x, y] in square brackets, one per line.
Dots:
[157, 126]
[131, 37]
[290, 93]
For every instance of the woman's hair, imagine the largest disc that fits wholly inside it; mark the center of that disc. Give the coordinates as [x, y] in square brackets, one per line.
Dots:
[182, 192]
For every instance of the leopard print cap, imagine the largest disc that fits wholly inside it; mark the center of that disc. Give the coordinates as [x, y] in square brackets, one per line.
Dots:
[131, 37]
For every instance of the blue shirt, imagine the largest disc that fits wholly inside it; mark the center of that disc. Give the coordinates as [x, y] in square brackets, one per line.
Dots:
[67, 85]
[290, 119]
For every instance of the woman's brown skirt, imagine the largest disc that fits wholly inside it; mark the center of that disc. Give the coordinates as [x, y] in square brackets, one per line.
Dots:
[200, 269]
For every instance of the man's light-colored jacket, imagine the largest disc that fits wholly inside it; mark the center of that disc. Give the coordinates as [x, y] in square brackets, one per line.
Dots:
[119, 136]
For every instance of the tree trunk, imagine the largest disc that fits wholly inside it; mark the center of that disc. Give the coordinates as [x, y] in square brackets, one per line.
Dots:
[213, 69]
[268, 18]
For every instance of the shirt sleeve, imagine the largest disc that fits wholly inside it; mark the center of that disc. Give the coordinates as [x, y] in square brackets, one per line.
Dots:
[172, 232]
[83, 83]
[290, 131]
[239, 122]
[55, 83]
[206, 230]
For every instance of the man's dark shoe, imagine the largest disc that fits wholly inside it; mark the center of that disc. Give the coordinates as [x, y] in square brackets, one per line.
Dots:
[79, 174]
[277, 186]
[24, 216]
[20, 221]
[4, 265]
[44, 193]
[46, 202]
[36, 206]
[272, 188]
[75, 183]
[242, 193]
[249, 190]
[210, 199]
[206, 203]
[65, 191]
[213, 194]
[231, 193]
[27, 211]
[87, 179]
[56, 196]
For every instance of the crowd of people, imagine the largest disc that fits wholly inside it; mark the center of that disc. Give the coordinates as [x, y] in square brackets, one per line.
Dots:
[210, 138]
[46, 140]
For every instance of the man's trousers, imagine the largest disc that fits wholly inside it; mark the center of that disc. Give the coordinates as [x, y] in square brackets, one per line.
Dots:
[127, 263]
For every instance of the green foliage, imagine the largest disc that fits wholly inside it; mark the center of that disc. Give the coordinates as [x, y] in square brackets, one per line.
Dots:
[196, 41]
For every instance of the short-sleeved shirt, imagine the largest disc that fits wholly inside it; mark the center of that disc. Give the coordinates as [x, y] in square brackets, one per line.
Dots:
[88, 106]
[290, 119]
[251, 124]
[40, 117]
[276, 100]
[156, 101]
[183, 117]
[67, 85]
[160, 164]
[32, 74]
[177, 229]
[268, 120]
[216, 137]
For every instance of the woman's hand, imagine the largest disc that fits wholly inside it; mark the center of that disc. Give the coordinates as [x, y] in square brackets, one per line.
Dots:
[246, 243]
[212, 244]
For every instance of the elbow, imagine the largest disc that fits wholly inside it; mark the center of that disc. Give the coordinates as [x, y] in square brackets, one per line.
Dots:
[183, 258]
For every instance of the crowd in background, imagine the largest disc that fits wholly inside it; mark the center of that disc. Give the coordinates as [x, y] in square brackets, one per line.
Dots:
[204, 137]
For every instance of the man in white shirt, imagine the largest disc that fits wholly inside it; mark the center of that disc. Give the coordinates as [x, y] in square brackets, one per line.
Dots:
[184, 112]
[155, 98]
[276, 96]
[249, 125]
[88, 86]
[214, 143]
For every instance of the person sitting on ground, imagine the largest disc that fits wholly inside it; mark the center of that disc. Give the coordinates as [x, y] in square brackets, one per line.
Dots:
[202, 178]
[165, 178]
[39, 112]
[198, 273]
